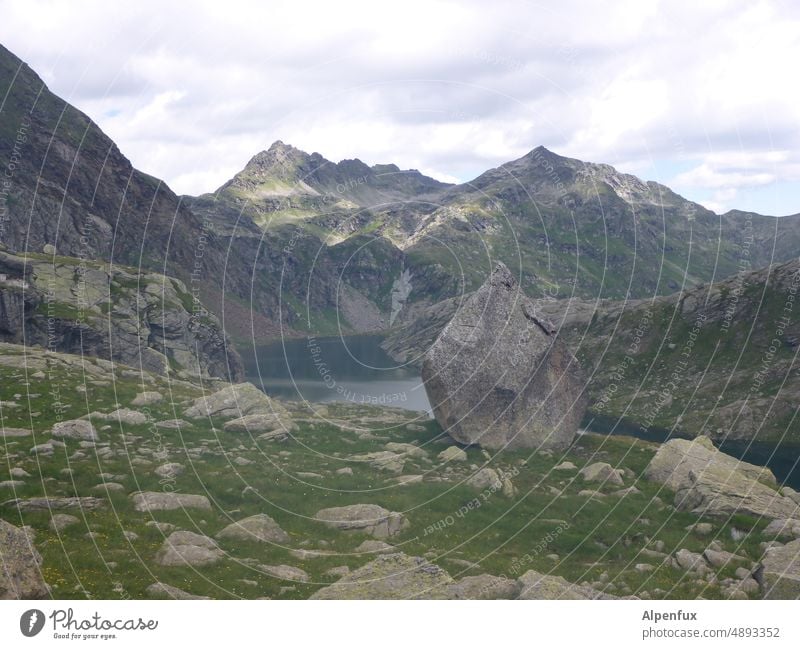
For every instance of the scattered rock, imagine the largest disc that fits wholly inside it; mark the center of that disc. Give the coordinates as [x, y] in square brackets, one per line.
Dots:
[486, 478]
[255, 528]
[374, 547]
[382, 460]
[483, 587]
[153, 501]
[75, 429]
[344, 471]
[188, 548]
[602, 472]
[147, 399]
[173, 424]
[235, 401]
[160, 590]
[565, 466]
[370, 519]
[783, 528]
[392, 576]
[169, 471]
[15, 432]
[56, 503]
[780, 574]
[498, 375]
[20, 565]
[721, 558]
[453, 454]
[535, 585]
[287, 573]
[691, 561]
[259, 423]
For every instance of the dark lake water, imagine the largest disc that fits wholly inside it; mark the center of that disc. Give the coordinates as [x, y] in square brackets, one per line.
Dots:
[356, 369]
[351, 368]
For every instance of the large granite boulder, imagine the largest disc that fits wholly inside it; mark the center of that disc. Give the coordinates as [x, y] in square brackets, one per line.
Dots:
[709, 482]
[188, 548]
[535, 585]
[498, 375]
[260, 527]
[20, 572]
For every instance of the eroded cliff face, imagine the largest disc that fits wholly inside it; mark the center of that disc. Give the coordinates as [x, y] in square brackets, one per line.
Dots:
[140, 319]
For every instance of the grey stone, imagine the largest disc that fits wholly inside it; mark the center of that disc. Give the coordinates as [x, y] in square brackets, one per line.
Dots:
[602, 472]
[169, 470]
[370, 519]
[535, 585]
[392, 576]
[160, 590]
[483, 587]
[15, 432]
[20, 565]
[255, 528]
[153, 501]
[780, 574]
[287, 573]
[235, 401]
[188, 548]
[56, 503]
[75, 429]
[709, 482]
[485, 478]
[499, 376]
[147, 399]
[453, 454]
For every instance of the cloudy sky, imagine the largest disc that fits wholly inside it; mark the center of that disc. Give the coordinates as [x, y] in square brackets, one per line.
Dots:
[702, 96]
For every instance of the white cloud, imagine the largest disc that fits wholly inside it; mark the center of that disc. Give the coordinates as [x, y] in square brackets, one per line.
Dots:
[191, 91]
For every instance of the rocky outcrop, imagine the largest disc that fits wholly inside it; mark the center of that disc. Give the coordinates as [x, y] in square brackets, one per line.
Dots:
[499, 376]
[20, 572]
[709, 482]
[90, 308]
[370, 519]
[161, 590]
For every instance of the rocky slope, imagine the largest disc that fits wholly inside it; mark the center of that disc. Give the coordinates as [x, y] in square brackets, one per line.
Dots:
[92, 308]
[144, 486]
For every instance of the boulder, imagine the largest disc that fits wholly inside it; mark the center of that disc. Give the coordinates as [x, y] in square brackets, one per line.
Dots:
[169, 471]
[259, 423]
[691, 561]
[148, 399]
[382, 460]
[255, 528]
[50, 503]
[498, 375]
[709, 482]
[390, 576]
[485, 478]
[20, 572]
[453, 454]
[154, 501]
[782, 528]
[15, 432]
[75, 429]
[780, 572]
[160, 590]
[483, 587]
[370, 519]
[127, 416]
[601, 472]
[234, 401]
[188, 548]
[535, 585]
[287, 573]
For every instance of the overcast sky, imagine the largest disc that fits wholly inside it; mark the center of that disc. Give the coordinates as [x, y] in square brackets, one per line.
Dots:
[702, 96]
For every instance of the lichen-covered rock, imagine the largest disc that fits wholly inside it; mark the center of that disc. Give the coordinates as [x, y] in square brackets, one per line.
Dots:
[255, 528]
[391, 576]
[498, 375]
[188, 548]
[535, 585]
[602, 472]
[75, 429]
[370, 519]
[235, 401]
[780, 574]
[153, 501]
[20, 573]
[485, 478]
[707, 481]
